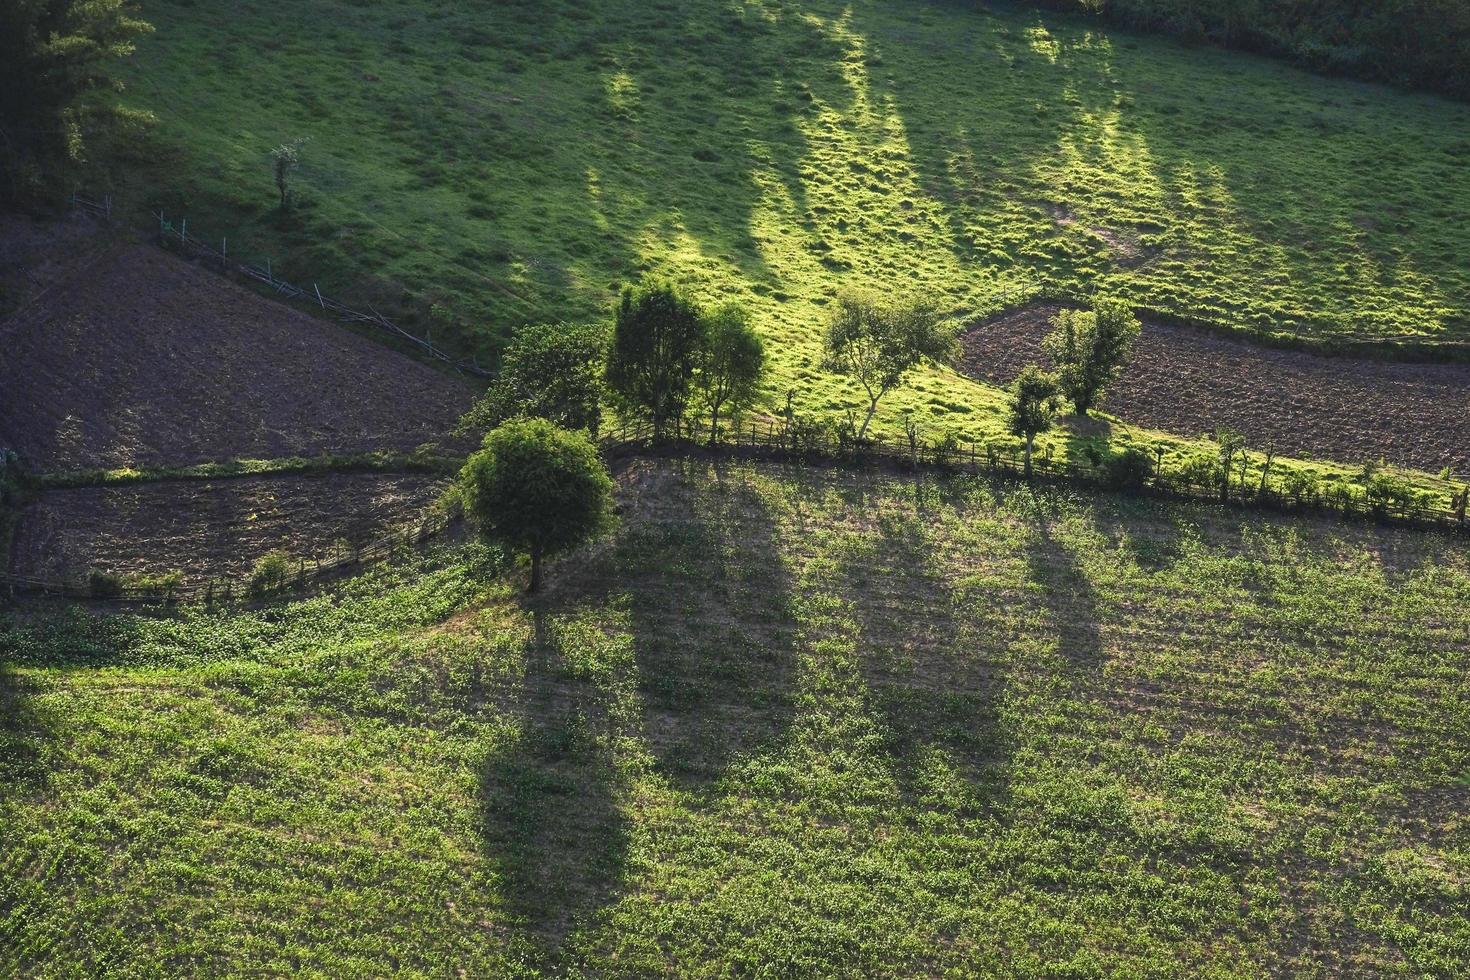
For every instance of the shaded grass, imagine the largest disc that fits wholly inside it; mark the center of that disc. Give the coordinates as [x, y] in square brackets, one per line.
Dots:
[517, 162]
[820, 724]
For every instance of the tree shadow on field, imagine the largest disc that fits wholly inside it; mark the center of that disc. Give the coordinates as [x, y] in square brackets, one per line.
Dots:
[934, 681]
[22, 731]
[550, 808]
[1067, 595]
[710, 604]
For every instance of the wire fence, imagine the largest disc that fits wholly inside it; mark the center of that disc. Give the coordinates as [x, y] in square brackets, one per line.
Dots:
[795, 441]
[1144, 473]
[178, 237]
[273, 575]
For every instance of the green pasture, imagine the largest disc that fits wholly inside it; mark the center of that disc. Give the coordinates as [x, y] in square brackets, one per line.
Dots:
[477, 167]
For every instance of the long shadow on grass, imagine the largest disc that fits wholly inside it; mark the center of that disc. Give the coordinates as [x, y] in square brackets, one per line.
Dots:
[698, 567]
[549, 798]
[1066, 593]
[934, 682]
[710, 604]
[22, 731]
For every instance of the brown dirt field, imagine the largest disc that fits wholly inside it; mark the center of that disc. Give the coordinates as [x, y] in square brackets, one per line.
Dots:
[1189, 382]
[136, 357]
[35, 254]
[210, 528]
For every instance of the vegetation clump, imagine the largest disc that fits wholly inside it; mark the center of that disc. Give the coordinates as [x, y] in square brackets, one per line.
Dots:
[1090, 348]
[537, 490]
[549, 371]
[59, 76]
[1032, 407]
[880, 343]
[731, 366]
[658, 339]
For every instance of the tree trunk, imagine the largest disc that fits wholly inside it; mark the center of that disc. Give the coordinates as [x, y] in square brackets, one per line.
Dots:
[1030, 443]
[535, 585]
[714, 424]
[872, 410]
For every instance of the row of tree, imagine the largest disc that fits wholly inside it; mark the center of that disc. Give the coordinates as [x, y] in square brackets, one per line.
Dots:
[1424, 43]
[673, 364]
[538, 485]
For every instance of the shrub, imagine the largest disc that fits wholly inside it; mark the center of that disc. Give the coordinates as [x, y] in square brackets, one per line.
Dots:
[104, 585]
[1301, 485]
[1130, 469]
[270, 573]
[549, 371]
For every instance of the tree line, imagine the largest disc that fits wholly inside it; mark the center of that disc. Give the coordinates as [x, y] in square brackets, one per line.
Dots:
[1420, 43]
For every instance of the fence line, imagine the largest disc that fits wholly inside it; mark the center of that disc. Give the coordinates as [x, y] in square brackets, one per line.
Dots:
[195, 247]
[784, 441]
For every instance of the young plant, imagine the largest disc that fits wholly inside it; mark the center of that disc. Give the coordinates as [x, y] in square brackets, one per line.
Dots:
[658, 339]
[880, 343]
[1090, 348]
[537, 490]
[1228, 442]
[1032, 407]
[284, 161]
[730, 366]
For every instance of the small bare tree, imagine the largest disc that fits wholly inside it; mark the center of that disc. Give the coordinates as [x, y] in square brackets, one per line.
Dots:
[285, 159]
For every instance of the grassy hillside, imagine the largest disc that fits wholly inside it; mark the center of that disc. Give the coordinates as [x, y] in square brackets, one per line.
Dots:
[818, 723]
[516, 161]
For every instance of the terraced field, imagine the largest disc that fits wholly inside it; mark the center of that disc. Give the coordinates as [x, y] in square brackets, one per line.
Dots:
[823, 723]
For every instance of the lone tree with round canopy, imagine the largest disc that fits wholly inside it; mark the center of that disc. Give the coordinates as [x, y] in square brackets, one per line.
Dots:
[537, 490]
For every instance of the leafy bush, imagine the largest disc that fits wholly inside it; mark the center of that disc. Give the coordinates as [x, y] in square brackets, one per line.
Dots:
[270, 573]
[1301, 485]
[1130, 469]
[104, 585]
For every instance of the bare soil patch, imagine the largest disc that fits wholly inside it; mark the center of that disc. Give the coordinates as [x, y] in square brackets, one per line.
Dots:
[1189, 382]
[210, 528]
[138, 358]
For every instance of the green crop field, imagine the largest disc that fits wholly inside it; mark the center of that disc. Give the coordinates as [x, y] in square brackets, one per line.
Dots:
[783, 722]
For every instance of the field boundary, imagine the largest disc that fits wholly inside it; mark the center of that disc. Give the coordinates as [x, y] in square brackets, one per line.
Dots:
[191, 246]
[787, 443]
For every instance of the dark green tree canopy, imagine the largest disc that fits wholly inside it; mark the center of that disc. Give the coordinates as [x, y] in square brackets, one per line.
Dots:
[730, 366]
[57, 89]
[879, 343]
[1091, 348]
[657, 341]
[537, 490]
[551, 371]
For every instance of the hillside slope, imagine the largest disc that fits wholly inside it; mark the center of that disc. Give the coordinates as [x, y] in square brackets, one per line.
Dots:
[827, 723]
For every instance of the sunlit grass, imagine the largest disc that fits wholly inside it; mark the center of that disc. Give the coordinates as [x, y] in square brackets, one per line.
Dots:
[520, 161]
